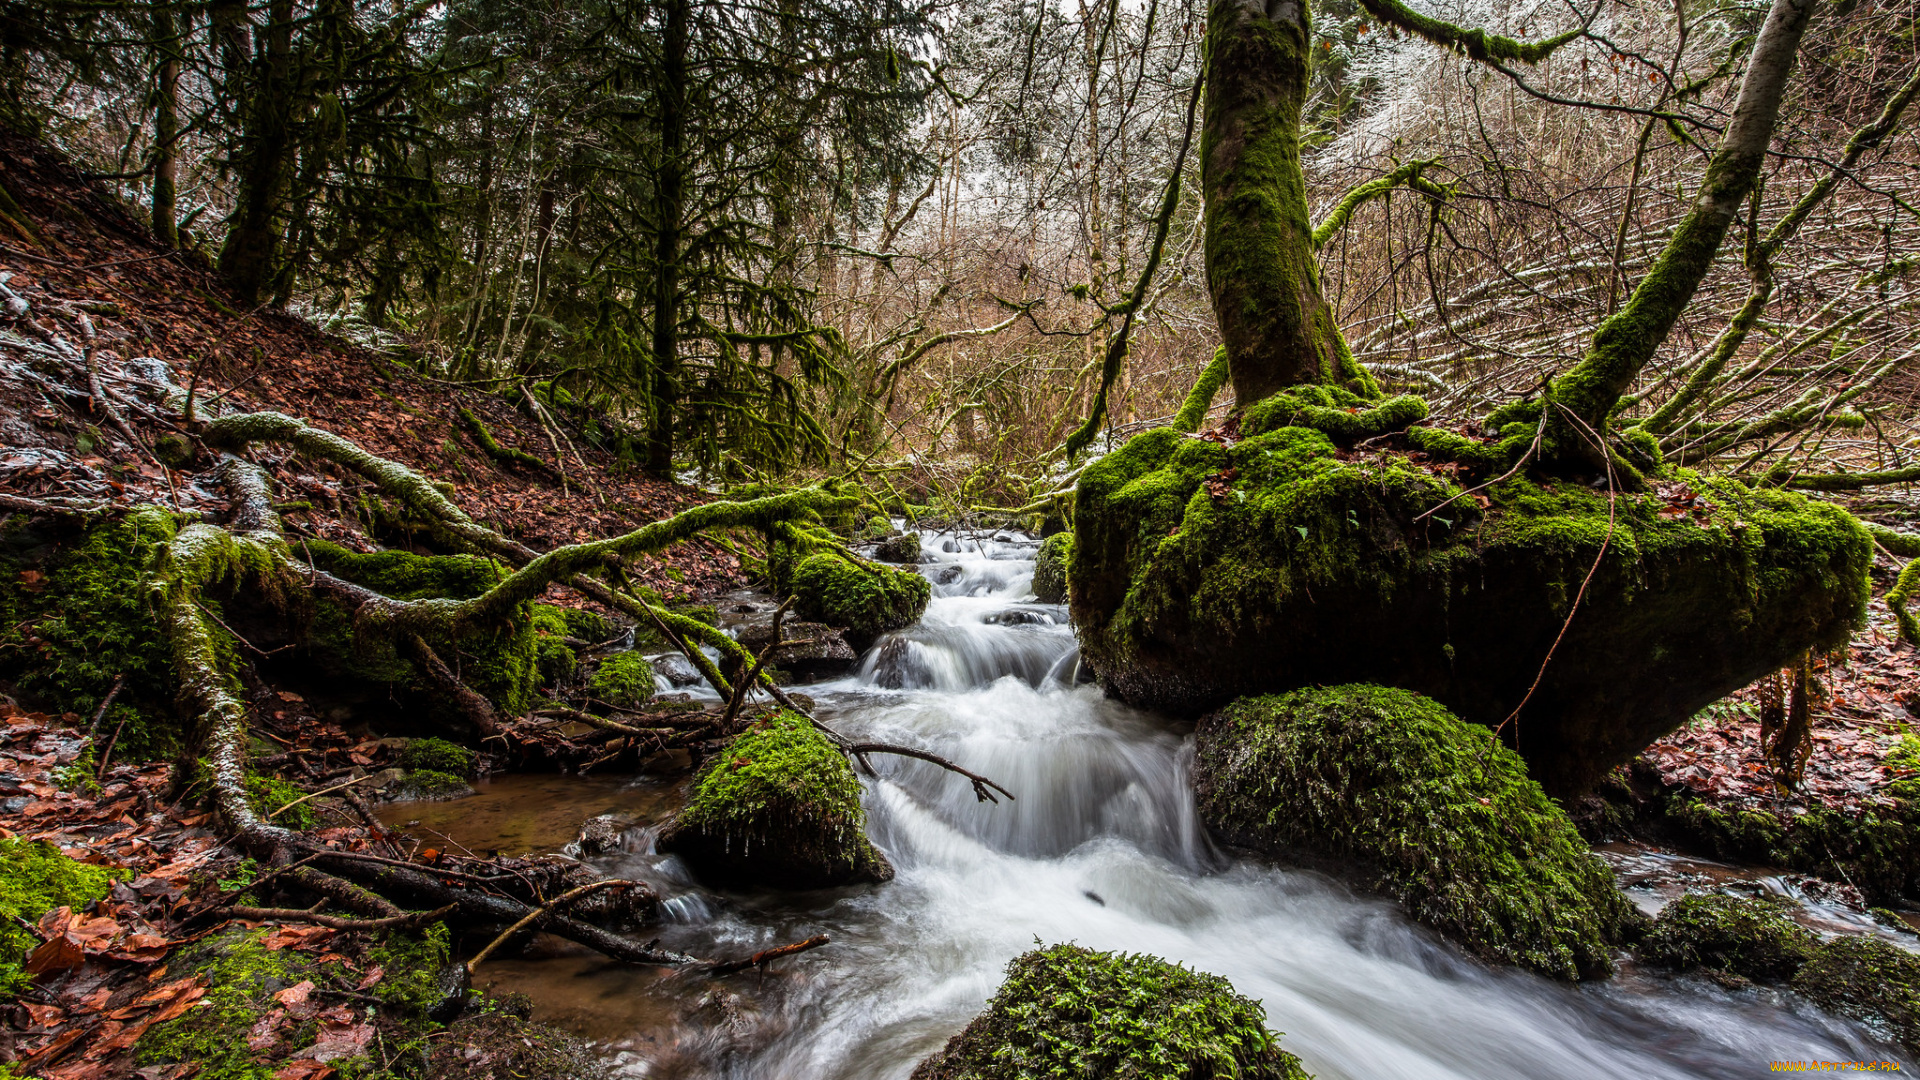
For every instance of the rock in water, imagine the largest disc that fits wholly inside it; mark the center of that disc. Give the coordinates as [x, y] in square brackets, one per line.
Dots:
[808, 650]
[1425, 807]
[780, 808]
[1068, 1011]
[1868, 979]
[899, 548]
[1050, 569]
[1203, 571]
[1748, 936]
[866, 601]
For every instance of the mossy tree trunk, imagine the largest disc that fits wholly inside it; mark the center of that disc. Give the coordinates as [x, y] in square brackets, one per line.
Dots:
[1584, 398]
[166, 127]
[1262, 268]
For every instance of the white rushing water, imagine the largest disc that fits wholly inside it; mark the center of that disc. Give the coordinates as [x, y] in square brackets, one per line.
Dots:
[1102, 847]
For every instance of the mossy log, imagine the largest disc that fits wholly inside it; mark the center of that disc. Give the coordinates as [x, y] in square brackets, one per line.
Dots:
[1203, 571]
[780, 808]
[1420, 805]
[1069, 1011]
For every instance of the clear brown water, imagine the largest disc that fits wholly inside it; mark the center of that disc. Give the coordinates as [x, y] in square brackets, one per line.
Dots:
[1102, 847]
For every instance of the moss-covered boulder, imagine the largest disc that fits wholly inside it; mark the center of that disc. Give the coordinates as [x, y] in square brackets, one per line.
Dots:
[1206, 570]
[441, 756]
[903, 547]
[780, 807]
[1751, 937]
[1423, 806]
[1868, 979]
[623, 680]
[866, 600]
[1066, 1011]
[1050, 569]
[34, 879]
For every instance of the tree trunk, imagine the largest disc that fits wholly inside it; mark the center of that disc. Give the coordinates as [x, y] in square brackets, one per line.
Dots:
[1261, 265]
[669, 202]
[1626, 341]
[251, 255]
[166, 128]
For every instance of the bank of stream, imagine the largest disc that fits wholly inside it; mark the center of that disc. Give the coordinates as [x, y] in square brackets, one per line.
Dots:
[1102, 847]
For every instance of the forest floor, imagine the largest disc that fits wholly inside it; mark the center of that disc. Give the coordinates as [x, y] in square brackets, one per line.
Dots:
[85, 267]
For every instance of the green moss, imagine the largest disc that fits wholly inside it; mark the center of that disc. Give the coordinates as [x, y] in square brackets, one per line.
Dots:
[1444, 815]
[1343, 416]
[1203, 571]
[439, 755]
[780, 806]
[1050, 569]
[1876, 847]
[34, 879]
[552, 655]
[242, 977]
[430, 784]
[1751, 937]
[269, 793]
[75, 615]
[1868, 979]
[623, 680]
[1067, 1011]
[899, 548]
[867, 601]
[505, 662]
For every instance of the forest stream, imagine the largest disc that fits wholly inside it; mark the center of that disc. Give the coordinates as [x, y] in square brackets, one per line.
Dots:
[1102, 847]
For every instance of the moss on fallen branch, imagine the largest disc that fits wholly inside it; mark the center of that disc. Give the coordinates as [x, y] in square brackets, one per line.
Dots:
[504, 455]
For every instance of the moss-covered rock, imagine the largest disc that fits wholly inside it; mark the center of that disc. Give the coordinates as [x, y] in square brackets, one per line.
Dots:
[34, 879]
[1868, 979]
[1430, 810]
[74, 617]
[867, 600]
[441, 756]
[901, 547]
[779, 807]
[431, 785]
[1204, 571]
[623, 680]
[1066, 1011]
[1751, 937]
[1050, 569]
[281, 802]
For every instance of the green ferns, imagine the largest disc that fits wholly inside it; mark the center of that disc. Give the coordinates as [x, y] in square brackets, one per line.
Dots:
[34, 879]
[1067, 1011]
[1444, 815]
[781, 807]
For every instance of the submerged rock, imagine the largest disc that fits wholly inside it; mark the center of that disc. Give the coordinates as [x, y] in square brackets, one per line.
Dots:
[1751, 937]
[1436, 812]
[1067, 1011]
[866, 600]
[1050, 569]
[780, 807]
[1203, 571]
[1870, 980]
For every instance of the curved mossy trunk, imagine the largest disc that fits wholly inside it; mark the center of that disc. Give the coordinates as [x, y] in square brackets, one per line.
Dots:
[1262, 268]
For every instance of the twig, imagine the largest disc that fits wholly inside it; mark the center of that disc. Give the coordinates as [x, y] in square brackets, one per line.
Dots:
[980, 783]
[407, 921]
[767, 956]
[1612, 501]
[317, 794]
[101, 712]
[753, 675]
[543, 911]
